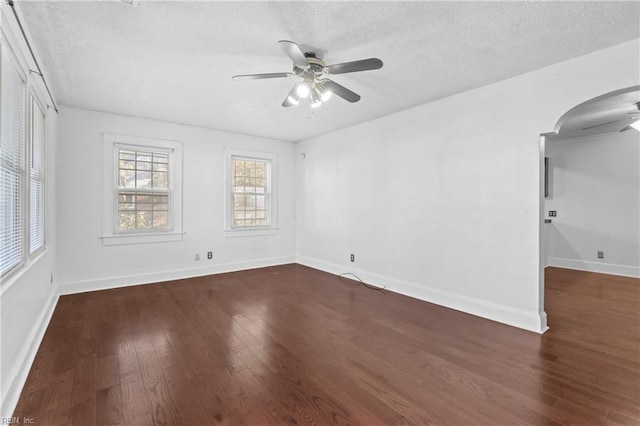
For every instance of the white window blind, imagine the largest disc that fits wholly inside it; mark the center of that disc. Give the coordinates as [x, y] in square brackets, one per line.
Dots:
[37, 179]
[12, 174]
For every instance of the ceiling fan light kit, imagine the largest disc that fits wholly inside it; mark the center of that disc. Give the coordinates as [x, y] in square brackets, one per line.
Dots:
[315, 84]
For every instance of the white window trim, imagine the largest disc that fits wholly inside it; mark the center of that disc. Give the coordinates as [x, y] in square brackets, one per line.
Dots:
[272, 228]
[110, 234]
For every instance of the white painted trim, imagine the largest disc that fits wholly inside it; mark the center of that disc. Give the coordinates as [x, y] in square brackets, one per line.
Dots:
[249, 232]
[532, 321]
[600, 267]
[120, 239]
[168, 275]
[27, 356]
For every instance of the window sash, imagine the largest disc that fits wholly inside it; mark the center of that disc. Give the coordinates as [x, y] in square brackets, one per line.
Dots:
[141, 203]
[37, 184]
[12, 167]
[250, 192]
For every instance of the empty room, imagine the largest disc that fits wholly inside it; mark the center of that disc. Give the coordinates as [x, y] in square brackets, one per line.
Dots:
[340, 212]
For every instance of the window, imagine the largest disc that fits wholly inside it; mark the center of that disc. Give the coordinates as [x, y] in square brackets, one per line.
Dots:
[12, 177]
[36, 179]
[143, 185]
[250, 192]
[22, 161]
[143, 189]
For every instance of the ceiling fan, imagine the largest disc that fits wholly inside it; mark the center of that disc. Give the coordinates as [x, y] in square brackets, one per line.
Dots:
[313, 72]
[636, 123]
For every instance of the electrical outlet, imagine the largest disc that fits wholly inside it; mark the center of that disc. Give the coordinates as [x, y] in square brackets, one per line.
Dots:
[209, 255]
[197, 257]
[353, 257]
[552, 213]
[600, 255]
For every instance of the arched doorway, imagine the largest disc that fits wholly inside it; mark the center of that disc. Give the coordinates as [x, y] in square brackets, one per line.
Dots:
[609, 114]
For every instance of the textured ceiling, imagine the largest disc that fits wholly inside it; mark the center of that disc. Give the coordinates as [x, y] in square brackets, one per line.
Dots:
[173, 61]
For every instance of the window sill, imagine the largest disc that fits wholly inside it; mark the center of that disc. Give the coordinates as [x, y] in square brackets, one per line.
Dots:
[123, 239]
[249, 232]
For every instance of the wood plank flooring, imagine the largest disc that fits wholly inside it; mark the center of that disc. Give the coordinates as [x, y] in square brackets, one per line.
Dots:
[293, 345]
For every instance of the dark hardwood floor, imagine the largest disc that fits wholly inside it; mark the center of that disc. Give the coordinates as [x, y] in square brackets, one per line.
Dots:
[293, 345]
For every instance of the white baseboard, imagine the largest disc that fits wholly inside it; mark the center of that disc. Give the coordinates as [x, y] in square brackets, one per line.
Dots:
[531, 321]
[73, 287]
[26, 357]
[600, 267]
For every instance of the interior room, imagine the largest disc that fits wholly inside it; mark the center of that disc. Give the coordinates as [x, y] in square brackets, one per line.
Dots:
[337, 212]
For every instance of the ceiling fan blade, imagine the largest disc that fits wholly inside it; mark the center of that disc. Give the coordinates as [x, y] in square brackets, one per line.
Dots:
[291, 99]
[626, 128]
[261, 76]
[341, 91]
[294, 52]
[362, 65]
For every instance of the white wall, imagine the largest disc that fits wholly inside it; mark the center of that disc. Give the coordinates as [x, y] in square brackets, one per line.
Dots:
[595, 190]
[442, 201]
[85, 264]
[27, 298]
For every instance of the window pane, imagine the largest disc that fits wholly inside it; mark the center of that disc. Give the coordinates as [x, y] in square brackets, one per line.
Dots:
[143, 165]
[238, 168]
[260, 202]
[260, 214]
[261, 222]
[127, 179]
[127, 164]
[159, 157]
[126, 206]
[126, 221]
[143, 180]
[126, 198]
[160, 180]
[144, 156]
[144, 220]
[250, 168]
[126, 154]
[159, 167]
[239, 201]
[160, 220]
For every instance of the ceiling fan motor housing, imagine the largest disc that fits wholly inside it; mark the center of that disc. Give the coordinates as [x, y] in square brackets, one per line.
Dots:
[316, 65]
